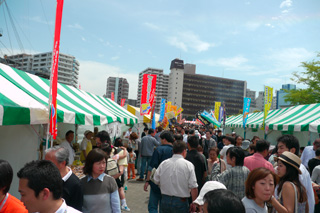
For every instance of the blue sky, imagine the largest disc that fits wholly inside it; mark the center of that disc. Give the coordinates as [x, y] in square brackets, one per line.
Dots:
[260, 41]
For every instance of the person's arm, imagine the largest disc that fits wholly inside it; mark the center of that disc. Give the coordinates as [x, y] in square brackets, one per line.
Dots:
[145, 187]
[194, 193]
[115, 202]
[120, 172]
[124, 154]
[288, 197]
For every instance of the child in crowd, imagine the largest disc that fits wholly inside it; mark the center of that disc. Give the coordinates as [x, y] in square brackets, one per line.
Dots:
[131, 161]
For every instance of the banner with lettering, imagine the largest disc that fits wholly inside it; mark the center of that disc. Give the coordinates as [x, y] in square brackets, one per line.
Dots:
[162, 109]
[246, 108]
[217, 109]
[221, 114]
[147, 93]
[112, 96]
[268, 94]
[123, 101]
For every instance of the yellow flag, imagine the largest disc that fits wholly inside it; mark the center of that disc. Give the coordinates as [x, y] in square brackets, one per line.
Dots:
[168, 106]
[268, 94]
[174, 108]
[216, 109]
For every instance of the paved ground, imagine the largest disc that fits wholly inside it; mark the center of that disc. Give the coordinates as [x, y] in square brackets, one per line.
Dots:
[137, 198]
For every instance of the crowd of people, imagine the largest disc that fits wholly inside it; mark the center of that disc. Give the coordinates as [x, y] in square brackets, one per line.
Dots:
[186, 169]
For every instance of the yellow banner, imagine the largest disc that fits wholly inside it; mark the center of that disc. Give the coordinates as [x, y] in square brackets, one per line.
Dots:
[179, 111]
[216, 109]
[174, 108]
[268, 94]
[168, 106]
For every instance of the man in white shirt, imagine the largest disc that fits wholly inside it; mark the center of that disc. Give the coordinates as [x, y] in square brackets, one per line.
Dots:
[228, 142]
[291, 143]
[40, 187]
[176, 179]
[129, 131]
[309, 152]
[66, 143]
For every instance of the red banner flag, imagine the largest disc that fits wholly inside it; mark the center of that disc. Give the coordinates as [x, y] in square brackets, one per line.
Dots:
[123, 101]
[54, 70]
[112, 96]
[147, 93]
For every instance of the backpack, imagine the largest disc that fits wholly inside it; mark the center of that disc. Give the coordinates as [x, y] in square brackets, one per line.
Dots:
[112, 167]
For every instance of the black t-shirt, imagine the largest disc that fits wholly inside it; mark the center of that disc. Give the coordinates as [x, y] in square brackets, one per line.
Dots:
[313, 163]
[200, 167]
[72, 192]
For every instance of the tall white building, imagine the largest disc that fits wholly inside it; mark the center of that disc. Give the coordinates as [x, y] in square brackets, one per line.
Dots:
[176, 82]
[161, 86]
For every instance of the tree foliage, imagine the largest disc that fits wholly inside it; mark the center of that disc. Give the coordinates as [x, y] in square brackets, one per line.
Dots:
[311, 78]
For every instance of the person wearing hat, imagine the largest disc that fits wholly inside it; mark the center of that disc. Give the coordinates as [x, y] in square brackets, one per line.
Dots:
[258, 158]
[86, 145]
[291, 143]
[292, 196]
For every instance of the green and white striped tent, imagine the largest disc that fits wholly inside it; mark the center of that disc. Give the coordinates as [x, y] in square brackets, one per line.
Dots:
[24, 100]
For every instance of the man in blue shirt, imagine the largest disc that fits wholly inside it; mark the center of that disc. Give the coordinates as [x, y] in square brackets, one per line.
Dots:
[160, 154]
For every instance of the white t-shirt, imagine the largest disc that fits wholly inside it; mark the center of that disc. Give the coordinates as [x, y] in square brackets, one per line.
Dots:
[252, 207]
[223, 152]
[67, 145]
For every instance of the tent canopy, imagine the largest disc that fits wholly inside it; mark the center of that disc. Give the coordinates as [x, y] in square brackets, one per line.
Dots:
[142, 118]
[74, 106]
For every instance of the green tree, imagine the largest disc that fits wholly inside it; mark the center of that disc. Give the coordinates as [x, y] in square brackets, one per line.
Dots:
[309, 77]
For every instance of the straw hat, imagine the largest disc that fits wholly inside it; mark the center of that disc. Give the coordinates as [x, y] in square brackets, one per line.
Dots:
[291, 159]
[208, 186]
[87, 132]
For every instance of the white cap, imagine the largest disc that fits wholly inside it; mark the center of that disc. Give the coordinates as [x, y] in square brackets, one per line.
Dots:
[208, 186]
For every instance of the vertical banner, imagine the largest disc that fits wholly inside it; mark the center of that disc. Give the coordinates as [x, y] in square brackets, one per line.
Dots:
[178, 111]
[268, 94]
[217, 109]
[123, 101]
[147, 93]
[246, 108]
[224, 114]
[54, 71]
[169, 106]
[162, 109]
[221, 114]
[112, 96]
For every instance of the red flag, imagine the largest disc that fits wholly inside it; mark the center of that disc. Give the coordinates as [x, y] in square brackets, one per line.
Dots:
[79, 86]
[123, 101]
[112, 96]
[147, 93]
[54, 70]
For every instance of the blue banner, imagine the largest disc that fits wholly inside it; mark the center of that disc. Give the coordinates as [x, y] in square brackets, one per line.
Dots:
[162, 109]
[207, 116]
[220, 114]
[246, 107]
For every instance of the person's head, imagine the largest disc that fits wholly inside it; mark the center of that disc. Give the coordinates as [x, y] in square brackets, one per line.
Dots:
[191, 132]
[129, 149]
[238, 140]
[88, 134]
[207, 187]
[252, 148]
[69, 136]
[40, 184]
[146, 129]
[186, 131]
[260, 184]
[255, 139]
[200, 149]
[118, 142]
[263, 147]
[229, 140]
[166, 137]
[288, 143]
[288, 168]
[151, 132]
[6, 175]
[95, 162]
[213, 153]
[133, 136]
[235, 156]
[58, 155]
[102, 137]
[193, 142]
[318, 152]
[159, 129]
[208, 134]
[233, 134]
[178, 137]
[221, 201]
[316, 144]
[130, 129]
[179, 147]
[219, 132]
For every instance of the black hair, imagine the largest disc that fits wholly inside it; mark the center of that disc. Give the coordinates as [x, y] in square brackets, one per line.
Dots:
[150, 131]
[104, 136]
[6, 175]
[209, 131]
[69, 132]
[231, 139]
[292, 175]
[178, 137]
[238, 153]
[94, 155]
[178, 147]
[291, 142]
[118, 142]
[318, 152]
[219, 130]
[191, 131]
[262, 145]
[223, 200]
[129, 149]
[159, 129]
[186, 131]
[193, 141]
[167, 135]
[146, 129]
[42, 174]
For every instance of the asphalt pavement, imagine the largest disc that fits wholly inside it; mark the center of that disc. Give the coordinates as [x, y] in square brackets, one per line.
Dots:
[137, 199]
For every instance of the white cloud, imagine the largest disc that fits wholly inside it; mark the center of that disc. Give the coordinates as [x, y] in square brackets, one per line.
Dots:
[252, 26]
[269, 25]
[234, 63]
[93, 77]
[153, 26]
[75, 26]
[114, 58]
[83, 38]
[39, 20]
[285, 11]
[286, 3]
[189, 40]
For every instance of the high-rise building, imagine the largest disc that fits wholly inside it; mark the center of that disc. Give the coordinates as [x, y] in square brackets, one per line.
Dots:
[40, 64]
[176, 82]
[161, 86]
[251, 94]
[120, 88]
[281, 103]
